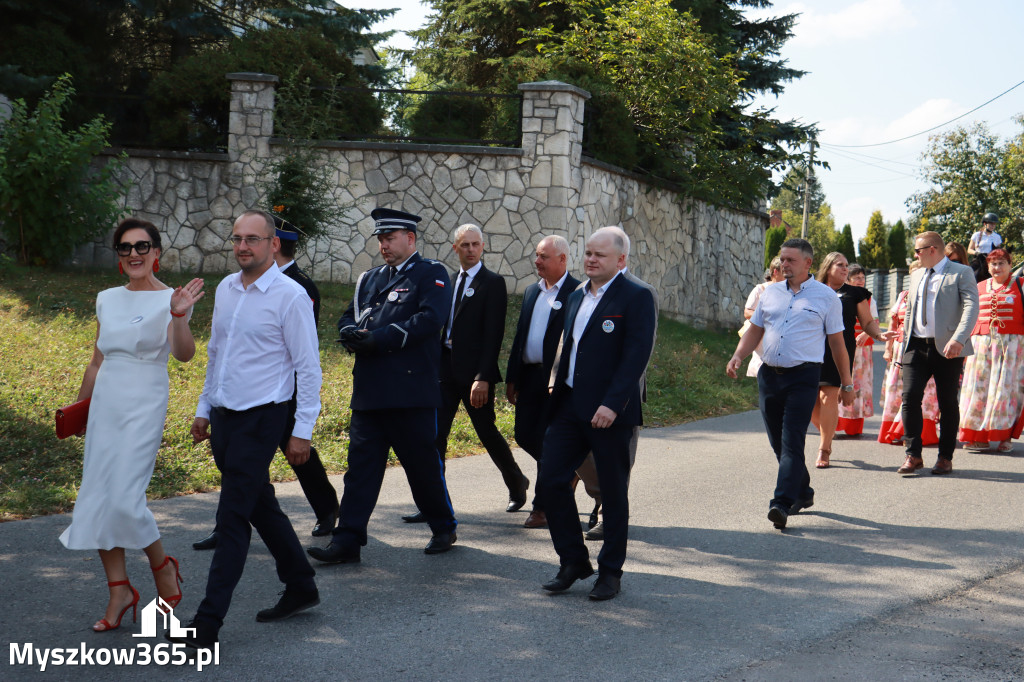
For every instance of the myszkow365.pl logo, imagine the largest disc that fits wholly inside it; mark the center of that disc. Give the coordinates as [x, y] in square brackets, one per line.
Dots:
[143, 653]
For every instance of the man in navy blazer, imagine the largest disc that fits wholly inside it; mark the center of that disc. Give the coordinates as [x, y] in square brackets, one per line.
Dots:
[607, 341]
[392, 326]
[541, 320]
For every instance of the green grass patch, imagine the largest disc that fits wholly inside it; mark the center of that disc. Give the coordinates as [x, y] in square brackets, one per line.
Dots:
[48, 328]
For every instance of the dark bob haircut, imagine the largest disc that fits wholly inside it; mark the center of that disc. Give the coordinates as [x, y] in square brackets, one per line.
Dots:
[137, 224]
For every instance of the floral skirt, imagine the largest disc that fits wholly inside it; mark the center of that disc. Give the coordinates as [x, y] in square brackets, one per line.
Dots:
[992, 397]
[851, 419]
[892, 404]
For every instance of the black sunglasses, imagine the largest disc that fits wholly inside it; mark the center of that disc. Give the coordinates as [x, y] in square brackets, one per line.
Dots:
[141, 248]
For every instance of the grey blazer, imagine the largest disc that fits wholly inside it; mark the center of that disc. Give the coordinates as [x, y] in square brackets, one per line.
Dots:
[956, 307]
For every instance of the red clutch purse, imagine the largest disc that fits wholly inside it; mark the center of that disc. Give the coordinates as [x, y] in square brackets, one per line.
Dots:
[72, 418]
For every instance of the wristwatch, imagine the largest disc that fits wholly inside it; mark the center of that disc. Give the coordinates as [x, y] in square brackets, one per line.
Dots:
[846, 388]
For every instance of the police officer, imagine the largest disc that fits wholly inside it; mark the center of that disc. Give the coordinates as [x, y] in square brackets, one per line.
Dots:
[393, 325]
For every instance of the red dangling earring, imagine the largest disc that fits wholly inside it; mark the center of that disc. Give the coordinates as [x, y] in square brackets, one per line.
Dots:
[120, 268]
[156, 266]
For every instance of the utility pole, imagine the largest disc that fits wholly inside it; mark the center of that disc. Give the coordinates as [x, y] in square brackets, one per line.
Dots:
[808, 179]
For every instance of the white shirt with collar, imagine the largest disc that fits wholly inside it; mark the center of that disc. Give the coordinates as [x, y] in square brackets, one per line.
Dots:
[586, 310]
[533, 350]
[469, 275]
[287, 265]
[263, 336]
[922, 330]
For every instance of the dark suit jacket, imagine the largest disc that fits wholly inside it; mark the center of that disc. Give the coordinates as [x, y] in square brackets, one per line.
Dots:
[306, 283]
[612, 353]
[405, 318]
[477, 329]
[553, 332]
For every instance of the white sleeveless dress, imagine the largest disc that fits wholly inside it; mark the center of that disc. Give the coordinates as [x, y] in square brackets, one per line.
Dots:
[126, 422]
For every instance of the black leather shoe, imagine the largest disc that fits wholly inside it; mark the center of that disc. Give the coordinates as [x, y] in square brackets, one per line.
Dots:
[778, 516]
[209, 542]
[606, 587]
[418, 517]
[441, 542]
[517, 499]
[595, 533]
[325, 526]
[290, 603]
[594, 516]
[335, 554]
[802, 504]
[204, 635]
[567, 575]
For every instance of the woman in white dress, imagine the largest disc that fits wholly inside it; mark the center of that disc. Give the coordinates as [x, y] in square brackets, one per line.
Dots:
[138, 325]
[772, 275]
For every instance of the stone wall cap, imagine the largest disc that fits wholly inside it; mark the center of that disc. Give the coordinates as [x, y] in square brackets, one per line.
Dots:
[412, 148]
[554, 86]
[253, 76]
[164, 154]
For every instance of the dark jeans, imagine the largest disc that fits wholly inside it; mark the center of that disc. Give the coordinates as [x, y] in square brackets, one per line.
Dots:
[787, 401]
[566, 444]
[486, 430]
[922, 361]
[410, 432]
[243, 445]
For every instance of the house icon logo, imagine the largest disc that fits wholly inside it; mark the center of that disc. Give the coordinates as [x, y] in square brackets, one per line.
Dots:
[157, 609]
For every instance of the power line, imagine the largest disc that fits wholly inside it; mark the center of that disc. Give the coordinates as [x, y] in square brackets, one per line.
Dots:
[875, 158]
[879, 144]
[869, 163]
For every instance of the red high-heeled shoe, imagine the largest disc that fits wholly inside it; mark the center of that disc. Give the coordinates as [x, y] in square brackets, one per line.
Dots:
[171, 601]
[133, 606]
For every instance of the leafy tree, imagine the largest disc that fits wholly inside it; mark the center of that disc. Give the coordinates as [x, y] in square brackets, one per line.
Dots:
[898, 245]
[844, 245]
[727, 155]
[51, 197]
[791, 191]
[971, 172]
[773, 240]
[874, 248]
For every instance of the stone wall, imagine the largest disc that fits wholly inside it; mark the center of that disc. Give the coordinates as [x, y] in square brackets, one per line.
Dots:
[703, 259]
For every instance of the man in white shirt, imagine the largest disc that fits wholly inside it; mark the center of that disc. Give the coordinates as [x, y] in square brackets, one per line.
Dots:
[534, 350]
[795, 319]
[263, 347]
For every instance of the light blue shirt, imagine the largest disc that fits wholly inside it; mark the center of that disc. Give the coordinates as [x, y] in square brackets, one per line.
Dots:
[795, 324]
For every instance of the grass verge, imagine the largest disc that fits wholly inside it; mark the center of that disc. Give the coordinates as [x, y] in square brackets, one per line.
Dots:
[48, 328]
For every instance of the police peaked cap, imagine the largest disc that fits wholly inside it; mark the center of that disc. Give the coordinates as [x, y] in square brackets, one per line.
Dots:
[388, 220]
[284, 230]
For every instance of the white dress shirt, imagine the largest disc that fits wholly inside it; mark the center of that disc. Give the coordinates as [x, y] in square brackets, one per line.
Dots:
[922, 330]
[468, 275]
[533, 351]
[263, 347]
[586, 310]
[796, 324]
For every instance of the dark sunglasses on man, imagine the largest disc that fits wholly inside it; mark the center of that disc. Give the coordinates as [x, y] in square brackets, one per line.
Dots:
[141, 248]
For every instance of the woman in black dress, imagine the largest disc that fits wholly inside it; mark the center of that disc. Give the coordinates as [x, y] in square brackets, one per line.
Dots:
[856, 306]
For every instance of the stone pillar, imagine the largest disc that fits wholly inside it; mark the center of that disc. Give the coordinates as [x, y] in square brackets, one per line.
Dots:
[250, 128]
[552, 147]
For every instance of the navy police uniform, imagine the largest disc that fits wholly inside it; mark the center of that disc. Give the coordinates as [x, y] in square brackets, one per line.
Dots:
[395, 391]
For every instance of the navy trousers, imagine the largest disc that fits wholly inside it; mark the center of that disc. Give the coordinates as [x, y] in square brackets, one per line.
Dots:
[567, 442]
[410, 432]
[787, 401]
[243, 445]
[531, 422]
[317, 488]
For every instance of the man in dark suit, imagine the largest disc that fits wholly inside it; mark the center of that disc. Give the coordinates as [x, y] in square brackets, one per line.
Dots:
[607, 341]
[470, 343]
[312, 476]
[532, 357]
[392, 325]
[942, 307]
[588, 472]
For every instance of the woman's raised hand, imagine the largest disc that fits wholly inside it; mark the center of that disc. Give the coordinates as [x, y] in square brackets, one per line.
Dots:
[185, 297]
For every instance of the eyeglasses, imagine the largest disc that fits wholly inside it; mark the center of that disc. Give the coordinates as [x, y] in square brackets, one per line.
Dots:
[250, 241]
[923, 248]
[141, 248]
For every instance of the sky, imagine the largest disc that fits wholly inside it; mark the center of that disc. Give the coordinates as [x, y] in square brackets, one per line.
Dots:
[878, 70]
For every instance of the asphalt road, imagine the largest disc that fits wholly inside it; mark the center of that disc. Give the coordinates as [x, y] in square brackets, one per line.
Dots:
[885, 578]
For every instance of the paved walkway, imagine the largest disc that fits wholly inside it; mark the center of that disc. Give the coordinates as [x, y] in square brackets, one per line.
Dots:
[885, 578]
